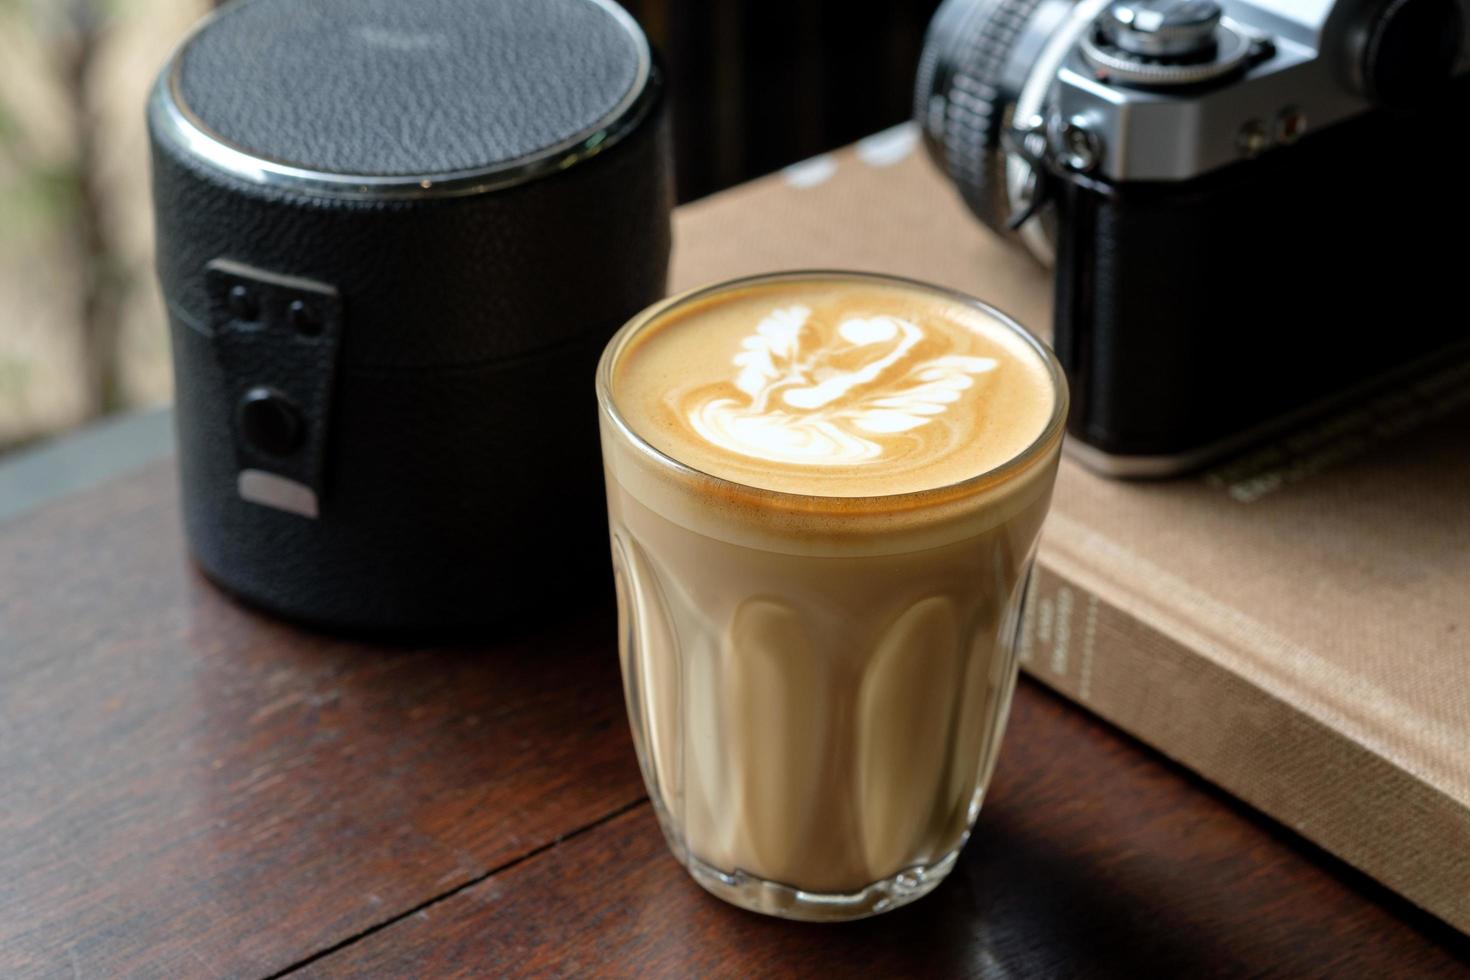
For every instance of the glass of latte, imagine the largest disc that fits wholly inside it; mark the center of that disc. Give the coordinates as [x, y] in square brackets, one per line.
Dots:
[824, 492]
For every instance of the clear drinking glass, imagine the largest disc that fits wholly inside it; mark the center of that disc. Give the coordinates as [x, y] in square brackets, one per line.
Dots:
[817, 705]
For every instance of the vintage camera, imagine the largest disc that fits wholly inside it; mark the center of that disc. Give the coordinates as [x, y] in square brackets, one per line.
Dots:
[1253, 206]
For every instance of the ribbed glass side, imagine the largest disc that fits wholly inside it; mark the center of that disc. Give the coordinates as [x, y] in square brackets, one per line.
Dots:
[816, 733]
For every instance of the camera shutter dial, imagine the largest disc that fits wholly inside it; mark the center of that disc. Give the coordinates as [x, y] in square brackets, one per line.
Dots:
[1164, 43]
[1170, 29]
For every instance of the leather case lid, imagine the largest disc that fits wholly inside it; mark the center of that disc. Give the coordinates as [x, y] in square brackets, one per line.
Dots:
[385, 87]
[534, 249]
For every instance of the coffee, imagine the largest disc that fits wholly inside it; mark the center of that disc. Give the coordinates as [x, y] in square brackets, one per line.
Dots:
[834, 388]
[824, 491]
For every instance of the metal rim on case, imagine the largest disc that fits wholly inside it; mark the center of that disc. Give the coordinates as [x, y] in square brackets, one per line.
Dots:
[172, 121]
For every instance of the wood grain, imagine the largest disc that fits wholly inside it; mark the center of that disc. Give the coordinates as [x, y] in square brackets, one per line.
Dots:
[190, 789]
[1094, 857]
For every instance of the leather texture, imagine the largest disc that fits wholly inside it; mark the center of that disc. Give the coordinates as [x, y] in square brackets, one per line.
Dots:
[443, 281]
[1190, 312]
[461, 483]
[394, 87]
[452, 502]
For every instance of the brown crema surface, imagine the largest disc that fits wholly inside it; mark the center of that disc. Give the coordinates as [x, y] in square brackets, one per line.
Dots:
[833, 387]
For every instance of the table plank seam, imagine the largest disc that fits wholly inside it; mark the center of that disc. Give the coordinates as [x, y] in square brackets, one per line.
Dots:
[457, 889]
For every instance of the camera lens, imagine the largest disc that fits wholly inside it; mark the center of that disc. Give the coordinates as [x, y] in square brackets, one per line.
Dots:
[982, 94]
[964, 97]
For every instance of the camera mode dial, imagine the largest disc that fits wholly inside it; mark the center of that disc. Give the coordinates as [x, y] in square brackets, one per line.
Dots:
[1171, 29]
[1164, 43]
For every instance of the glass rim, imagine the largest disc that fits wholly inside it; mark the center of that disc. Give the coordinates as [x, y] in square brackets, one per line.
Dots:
[1020, 462]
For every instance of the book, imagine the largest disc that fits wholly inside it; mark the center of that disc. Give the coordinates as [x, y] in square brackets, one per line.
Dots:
[1293, 625]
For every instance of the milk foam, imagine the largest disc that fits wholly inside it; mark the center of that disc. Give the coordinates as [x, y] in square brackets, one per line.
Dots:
[834, 387]
[799, 407]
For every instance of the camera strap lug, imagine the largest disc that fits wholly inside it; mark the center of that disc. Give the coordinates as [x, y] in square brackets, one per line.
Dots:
[276, 339]
[1028, 142]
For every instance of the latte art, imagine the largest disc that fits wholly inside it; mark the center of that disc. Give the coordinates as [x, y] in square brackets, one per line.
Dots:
[818, 404]
[842, 388]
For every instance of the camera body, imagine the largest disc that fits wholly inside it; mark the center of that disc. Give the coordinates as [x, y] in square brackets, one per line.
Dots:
[1244, 225]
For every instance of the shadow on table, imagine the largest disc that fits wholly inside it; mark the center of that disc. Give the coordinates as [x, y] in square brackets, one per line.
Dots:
[1093, 856]
[1010, 908]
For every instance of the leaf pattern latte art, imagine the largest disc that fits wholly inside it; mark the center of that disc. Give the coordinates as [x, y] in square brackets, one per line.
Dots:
[809, 403]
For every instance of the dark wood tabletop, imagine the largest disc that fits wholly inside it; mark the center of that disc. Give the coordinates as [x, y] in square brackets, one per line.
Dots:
[189, 788]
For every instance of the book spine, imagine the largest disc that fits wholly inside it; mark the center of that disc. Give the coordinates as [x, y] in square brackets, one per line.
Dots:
[1332, 790]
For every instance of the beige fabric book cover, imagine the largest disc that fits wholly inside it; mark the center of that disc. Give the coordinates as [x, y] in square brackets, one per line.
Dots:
[1293, 625]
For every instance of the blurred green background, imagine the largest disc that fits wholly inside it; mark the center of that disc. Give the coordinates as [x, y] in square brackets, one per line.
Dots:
[756, 85]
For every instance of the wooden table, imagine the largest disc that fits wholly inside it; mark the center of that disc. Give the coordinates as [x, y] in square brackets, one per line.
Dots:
[188, 788]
